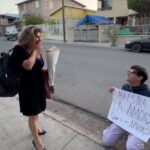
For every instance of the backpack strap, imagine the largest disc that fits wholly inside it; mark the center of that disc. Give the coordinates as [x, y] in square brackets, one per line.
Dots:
[10, 50]
[4, 53]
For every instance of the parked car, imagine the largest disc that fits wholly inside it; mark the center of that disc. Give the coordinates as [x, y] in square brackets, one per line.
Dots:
[12, 35]
[138, 45]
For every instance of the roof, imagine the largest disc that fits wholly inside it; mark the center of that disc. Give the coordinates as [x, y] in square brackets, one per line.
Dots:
[88, 19]
[78, 3]
[12, 15]
[26, 1]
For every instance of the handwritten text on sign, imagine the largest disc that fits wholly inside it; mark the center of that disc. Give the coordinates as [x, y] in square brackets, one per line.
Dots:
[131, 112]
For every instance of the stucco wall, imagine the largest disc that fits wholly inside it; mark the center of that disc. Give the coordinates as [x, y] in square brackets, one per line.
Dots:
[119, 8]
[73, 13]
[121, 40]
[46, 11]
[29, 8]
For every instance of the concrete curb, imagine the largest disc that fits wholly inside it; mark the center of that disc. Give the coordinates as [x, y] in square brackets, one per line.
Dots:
[101, 45]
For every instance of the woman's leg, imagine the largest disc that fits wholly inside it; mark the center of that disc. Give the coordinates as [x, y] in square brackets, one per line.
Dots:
[41, 131]
[33, 126]
[38, 125]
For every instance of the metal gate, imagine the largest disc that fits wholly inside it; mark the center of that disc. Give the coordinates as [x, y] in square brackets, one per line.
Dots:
[86, 35]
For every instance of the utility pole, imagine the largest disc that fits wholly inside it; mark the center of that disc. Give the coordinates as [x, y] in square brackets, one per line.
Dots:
[63, 19]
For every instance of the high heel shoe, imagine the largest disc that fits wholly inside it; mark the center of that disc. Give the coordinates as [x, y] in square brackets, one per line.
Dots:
[34, 144]
[42, 132]
[36, 147]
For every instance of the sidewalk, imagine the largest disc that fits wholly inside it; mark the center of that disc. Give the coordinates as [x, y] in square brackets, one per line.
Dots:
[14, 133]
[68, 128]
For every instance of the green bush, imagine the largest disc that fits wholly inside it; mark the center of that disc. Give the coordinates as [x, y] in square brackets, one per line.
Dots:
[33, 20]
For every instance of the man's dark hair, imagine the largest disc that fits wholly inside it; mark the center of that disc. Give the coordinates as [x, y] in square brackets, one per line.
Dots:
[140, 71]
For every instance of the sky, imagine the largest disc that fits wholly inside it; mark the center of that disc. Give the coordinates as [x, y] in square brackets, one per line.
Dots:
[8, 6]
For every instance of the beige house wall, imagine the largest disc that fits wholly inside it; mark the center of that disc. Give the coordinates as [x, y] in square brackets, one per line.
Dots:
[119, 9]
[72, 13]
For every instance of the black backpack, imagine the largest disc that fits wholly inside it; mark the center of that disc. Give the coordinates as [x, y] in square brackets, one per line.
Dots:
[9, 84]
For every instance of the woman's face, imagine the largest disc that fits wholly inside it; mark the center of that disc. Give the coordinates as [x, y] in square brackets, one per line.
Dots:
[38, 38]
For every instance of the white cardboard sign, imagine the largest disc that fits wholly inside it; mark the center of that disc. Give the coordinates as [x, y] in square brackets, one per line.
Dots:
[131, 112]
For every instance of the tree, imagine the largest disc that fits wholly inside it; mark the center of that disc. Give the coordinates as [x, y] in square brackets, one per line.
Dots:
[142, 8]
[33, 20]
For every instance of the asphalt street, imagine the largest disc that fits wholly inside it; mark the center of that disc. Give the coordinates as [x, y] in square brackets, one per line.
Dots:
[85, 70]
[71, 116]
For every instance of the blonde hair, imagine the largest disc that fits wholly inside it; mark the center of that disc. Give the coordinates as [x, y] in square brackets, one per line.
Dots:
[27, 37]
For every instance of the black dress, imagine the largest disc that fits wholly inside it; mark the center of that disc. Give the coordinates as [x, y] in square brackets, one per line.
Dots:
[31, 89]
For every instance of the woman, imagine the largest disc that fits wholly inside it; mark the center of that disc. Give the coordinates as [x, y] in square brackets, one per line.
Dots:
[27, 63]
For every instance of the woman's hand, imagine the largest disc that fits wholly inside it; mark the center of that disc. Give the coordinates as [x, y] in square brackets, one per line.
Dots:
[111, 89]
[29, 63]
[52, 89]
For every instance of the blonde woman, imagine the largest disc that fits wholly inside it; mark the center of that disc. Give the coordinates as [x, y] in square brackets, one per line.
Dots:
[27, 63]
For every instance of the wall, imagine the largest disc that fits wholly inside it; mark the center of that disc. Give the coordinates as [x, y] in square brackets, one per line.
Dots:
[103, 37]
[55, 32]
[119, 8]
[73, 13]
[78, 13]
[28, 8]
[123, 39]
[46, 11]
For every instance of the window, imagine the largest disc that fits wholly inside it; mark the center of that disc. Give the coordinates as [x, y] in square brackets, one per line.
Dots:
[22, 7]
[99, 5]
[36, 4]
[49, 4]
[106, 5]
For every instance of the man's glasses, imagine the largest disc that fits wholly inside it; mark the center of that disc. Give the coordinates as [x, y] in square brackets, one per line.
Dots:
[131, 72]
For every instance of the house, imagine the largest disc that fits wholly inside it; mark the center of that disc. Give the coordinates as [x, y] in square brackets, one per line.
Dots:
[117, 11]
[45, 8]
[8, 20]
[71, 12]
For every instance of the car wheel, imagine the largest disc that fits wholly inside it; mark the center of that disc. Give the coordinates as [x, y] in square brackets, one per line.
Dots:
[136, 47]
